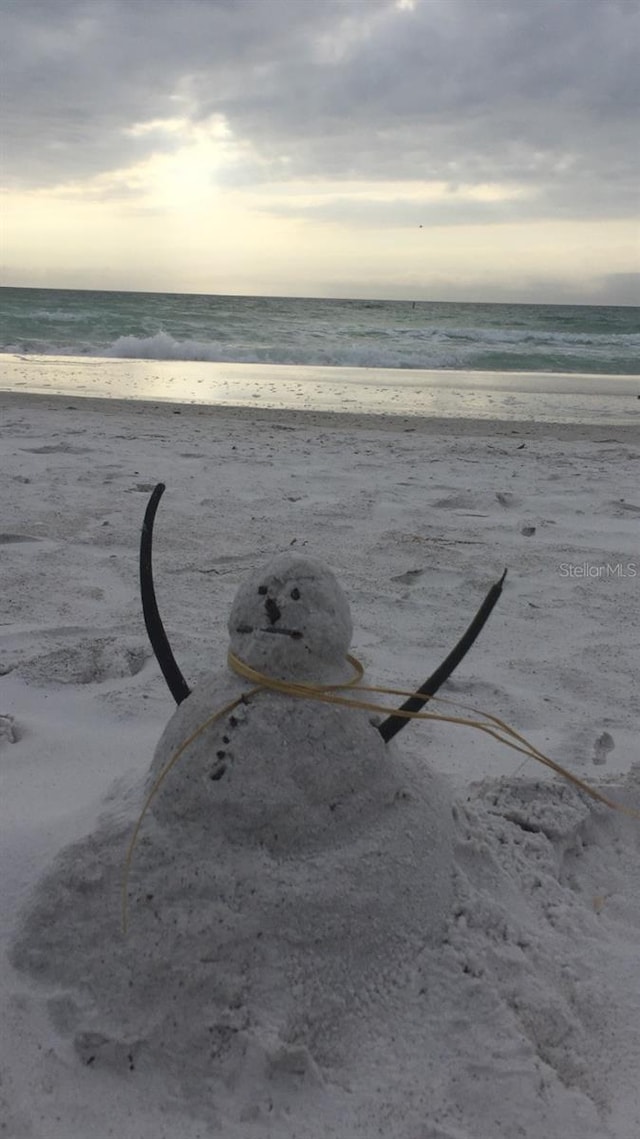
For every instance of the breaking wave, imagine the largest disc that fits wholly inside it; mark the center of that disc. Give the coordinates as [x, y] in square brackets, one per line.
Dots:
[321, 333]
[475, 349]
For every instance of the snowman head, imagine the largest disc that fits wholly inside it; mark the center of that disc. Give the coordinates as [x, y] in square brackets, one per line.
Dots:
[291, 620]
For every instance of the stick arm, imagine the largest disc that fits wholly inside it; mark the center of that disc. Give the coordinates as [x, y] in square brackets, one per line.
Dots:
[392, 725]
[155, 629]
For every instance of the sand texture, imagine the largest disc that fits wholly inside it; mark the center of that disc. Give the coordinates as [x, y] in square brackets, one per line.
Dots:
[439, 939]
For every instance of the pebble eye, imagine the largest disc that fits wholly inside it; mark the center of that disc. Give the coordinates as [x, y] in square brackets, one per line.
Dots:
[262, 589]
[295, 594]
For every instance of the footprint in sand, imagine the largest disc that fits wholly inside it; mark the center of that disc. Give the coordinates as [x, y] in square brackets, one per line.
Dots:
[8, 731]
[463, 500]
[87, 662]
[507, 499]
[57, 449]
[622, 507]
[466, 504]
[14, 539]
[603, 745]
[409, 577]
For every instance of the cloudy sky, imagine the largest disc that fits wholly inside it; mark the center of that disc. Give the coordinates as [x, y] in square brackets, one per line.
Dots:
[439, 149]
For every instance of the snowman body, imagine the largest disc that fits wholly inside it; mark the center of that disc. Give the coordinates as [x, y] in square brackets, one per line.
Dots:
[283, 772]
[318, 816]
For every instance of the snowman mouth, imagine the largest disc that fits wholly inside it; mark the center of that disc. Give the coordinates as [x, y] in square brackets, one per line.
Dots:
[294, 634]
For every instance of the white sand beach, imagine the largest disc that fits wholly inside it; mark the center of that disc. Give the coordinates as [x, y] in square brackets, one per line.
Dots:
[521, 1016]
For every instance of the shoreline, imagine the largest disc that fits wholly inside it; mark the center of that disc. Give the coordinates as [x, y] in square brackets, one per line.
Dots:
[414, 394]
[362, 375]
[455, 426]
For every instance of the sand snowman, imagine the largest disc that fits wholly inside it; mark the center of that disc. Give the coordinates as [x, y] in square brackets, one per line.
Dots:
[289, 866]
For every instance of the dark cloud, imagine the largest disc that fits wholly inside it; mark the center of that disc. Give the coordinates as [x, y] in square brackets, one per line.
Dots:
[78, 73]
[535, 92]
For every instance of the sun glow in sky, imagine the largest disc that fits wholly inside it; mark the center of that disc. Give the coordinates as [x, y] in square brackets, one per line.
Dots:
[388, 149]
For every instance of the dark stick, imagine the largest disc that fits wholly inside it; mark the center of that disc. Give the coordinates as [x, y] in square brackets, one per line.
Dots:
[391, 726]
[159, 641]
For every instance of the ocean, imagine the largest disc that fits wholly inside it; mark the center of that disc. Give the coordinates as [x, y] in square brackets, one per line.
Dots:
[361, 355]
